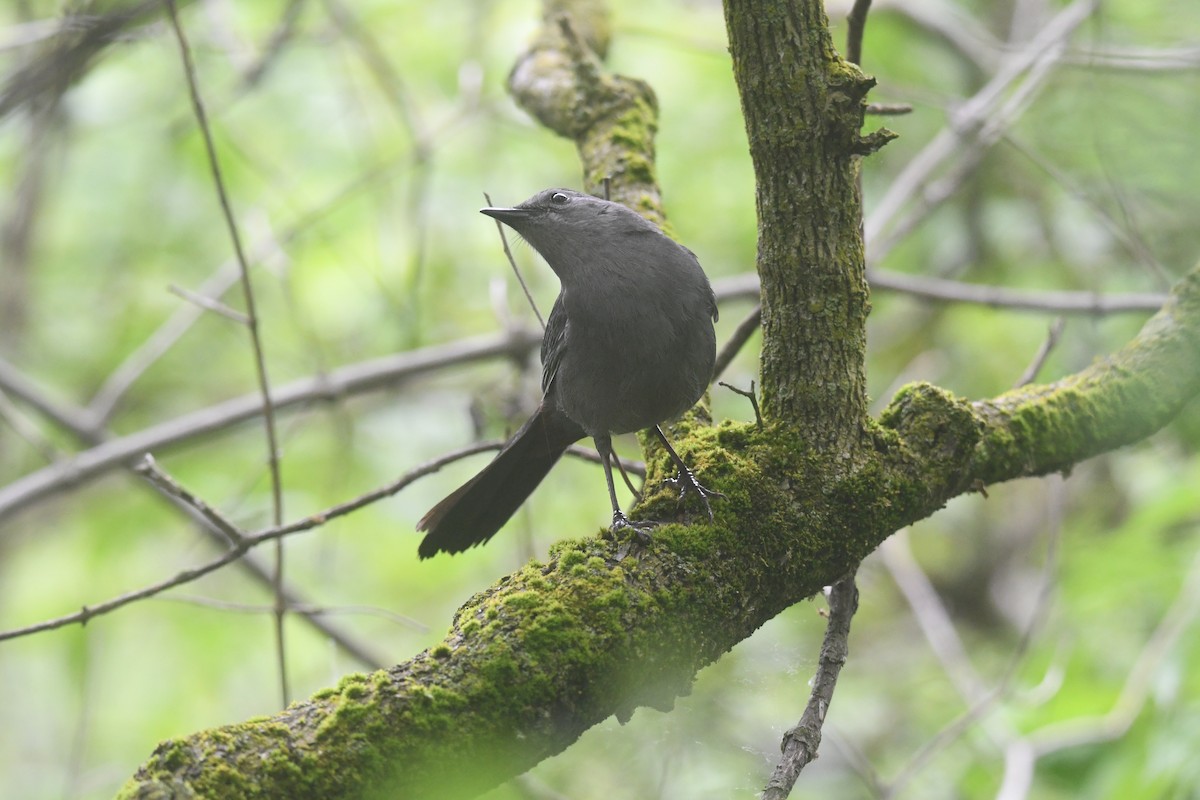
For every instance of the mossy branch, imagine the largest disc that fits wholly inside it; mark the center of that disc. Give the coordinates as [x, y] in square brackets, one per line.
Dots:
[1040, 429]
[611, 118]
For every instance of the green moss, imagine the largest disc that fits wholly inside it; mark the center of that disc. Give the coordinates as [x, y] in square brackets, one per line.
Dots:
[570, 558]
[523, 600]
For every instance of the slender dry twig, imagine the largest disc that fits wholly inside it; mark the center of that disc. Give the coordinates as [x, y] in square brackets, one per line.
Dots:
[748, 394]
[209, 304]
[63, 415]
[1125, 234]
[516, 270]
[932, 617]
[856, 23]
[979, 710]
[801, 742]
[246, 544]
[1022, 754]
[335, 385]
[745, 286]
[149, 469]
[737, 340]
[104, 402]
[1039, 360]
[1049, 301]
[252, 323]
[1139, 683]
[970, 119]
[280, 36]
[25, 428]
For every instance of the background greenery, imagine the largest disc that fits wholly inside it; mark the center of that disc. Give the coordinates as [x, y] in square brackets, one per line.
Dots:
[364, 190]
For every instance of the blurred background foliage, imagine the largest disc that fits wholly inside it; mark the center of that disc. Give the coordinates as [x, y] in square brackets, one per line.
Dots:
[356, 140]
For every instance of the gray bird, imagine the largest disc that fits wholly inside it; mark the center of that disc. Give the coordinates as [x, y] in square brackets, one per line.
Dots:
[629, 344]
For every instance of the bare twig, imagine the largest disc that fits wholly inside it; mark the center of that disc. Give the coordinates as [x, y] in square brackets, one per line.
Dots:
[1139, 683]
[971, 118]
[246, 544]
[252, 322]
[64, 416]
[105, 401]
[750, 396]
[516, 270]
[800, 743]
[1124, 234]
[979, 710]
[209, 304]
[737, 340]
[1056, 302]
[354, 379]
[932, 616]
[888, 109]
[25, 428]
[1039, 360]
[149, 469]
[23, 388]
[745, 286]
[280, 36]
[856, 23]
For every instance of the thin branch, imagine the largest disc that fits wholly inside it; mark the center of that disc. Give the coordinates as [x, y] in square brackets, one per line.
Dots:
[745, 286]
[248, 563]
[737, 340]
[516, 270]
[1125, 234]
[1039, 360]
[989, 701]
[105, 401]
[1049, 301]
[299, 608]
[749, 395]
[209, 304]
[279, 37]
[25, 428]
[260, 362]
[971, 118]
[149, 469]
[856, 23]
[801, 742]
[246, 544]
[336, 385]
[1138, 683]
[932, 617]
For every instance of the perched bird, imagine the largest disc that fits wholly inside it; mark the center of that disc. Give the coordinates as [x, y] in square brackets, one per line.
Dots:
[629, 344]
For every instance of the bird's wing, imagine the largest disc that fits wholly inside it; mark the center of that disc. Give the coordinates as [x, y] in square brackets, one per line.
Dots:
[554, 343]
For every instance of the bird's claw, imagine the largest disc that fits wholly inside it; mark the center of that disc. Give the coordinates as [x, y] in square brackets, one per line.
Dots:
[686, 481]
[641, 528]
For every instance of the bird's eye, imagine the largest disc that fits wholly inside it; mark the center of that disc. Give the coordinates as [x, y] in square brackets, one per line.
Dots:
[558, 198]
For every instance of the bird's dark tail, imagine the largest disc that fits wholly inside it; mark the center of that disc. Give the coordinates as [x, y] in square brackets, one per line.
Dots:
[476, 510]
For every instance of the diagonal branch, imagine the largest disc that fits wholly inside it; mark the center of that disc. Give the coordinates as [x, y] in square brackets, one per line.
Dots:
[365, 376]
[1038, 429]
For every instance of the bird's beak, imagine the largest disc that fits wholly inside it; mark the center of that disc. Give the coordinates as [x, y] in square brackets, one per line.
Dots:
[505, 214]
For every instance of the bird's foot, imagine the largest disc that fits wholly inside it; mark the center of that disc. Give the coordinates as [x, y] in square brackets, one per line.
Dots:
[641, 528]
[686, 481]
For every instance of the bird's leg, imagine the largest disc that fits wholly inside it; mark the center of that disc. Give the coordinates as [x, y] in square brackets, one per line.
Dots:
[637, 496]
[619, 520]
[685, 479]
